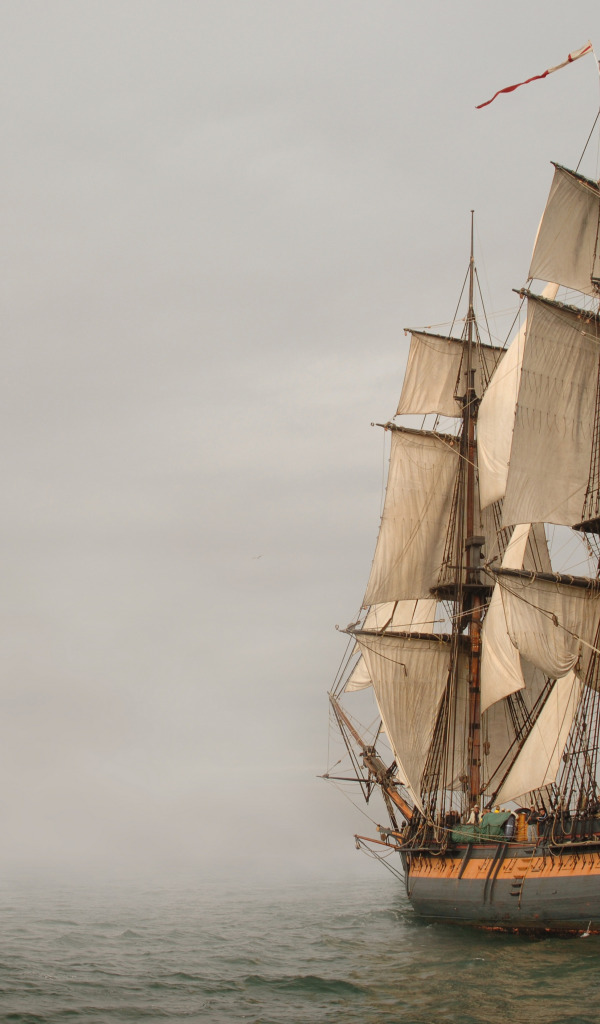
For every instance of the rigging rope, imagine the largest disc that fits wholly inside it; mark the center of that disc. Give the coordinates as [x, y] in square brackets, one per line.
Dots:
[543, 611]
[588, 140]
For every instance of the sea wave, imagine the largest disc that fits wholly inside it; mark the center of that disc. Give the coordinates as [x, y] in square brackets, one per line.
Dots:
[324, 954]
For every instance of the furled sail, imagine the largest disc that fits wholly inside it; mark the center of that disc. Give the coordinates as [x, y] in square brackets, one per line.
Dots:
[433, 374]
[566, 247]
[539, 759]
[552, 440]
[409, 676]
[410, 546]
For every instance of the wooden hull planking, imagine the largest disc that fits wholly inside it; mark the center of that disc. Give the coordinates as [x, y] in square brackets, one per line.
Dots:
[507, 886]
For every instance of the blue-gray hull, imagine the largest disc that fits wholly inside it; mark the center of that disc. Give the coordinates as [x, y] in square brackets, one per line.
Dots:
[502, 886]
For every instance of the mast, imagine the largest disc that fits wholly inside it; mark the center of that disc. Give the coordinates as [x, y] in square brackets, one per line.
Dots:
[472, 602]
[373, 763]
[456, 749]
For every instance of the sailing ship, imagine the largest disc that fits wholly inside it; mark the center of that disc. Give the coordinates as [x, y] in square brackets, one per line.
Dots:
[479, 632]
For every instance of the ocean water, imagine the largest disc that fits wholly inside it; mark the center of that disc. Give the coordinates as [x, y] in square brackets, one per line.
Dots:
[350, 953]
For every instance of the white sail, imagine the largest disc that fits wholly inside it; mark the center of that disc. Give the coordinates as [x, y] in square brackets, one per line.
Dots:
[497, 737]
[539, 759]
[402, 616]
[496, 418]
[501, 669]
[566, 247]
[536, 556]
[359, 678]
[433, 374]
[500, 660]
[505, 703]
[552, 624]
[552, 440]
[409, 675]
[410, 546]
[394, 616]
[498, 725]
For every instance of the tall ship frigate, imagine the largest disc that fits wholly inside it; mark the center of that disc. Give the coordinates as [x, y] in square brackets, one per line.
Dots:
[478, 637]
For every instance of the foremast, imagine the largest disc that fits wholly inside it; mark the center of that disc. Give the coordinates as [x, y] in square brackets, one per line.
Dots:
[426, 571]
[472, 601]
[465, 591]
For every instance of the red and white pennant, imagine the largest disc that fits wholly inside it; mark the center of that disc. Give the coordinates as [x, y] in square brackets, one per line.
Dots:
[588, 48]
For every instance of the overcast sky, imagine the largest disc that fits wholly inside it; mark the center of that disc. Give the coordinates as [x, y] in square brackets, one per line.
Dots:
[217, 219]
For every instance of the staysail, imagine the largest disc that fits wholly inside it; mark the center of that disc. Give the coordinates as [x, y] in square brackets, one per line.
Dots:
[501, 668]
[539, 759]
[495, 420]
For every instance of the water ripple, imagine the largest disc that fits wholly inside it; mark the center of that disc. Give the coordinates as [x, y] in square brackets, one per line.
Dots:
[322, 954]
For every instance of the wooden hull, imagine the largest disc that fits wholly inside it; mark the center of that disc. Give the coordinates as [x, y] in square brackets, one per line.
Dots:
[508, 886]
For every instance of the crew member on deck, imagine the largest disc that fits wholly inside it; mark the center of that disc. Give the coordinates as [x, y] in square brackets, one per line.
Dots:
[473, 818]
[532, 825]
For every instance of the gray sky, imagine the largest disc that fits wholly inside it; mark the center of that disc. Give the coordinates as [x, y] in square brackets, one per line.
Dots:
[217, 219]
